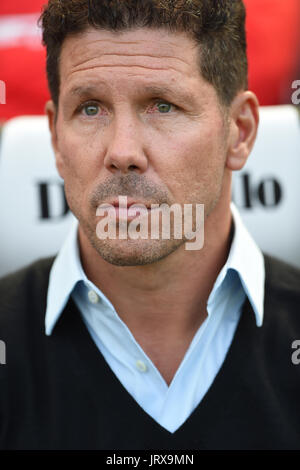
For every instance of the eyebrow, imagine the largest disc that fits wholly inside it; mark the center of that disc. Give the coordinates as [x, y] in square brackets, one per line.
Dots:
[82, 90]
[179, 92]
[155, 90]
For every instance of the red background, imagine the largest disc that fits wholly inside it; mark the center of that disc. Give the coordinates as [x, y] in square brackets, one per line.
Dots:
[273, 50]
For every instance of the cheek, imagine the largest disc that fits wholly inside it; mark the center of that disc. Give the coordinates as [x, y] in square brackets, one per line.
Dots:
[79, 156]
[196, 161]
[79, 164]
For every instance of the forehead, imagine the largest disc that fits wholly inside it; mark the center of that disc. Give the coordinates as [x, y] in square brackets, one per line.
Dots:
[141, 53]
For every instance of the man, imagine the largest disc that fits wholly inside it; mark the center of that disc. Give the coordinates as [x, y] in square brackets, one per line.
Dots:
[140, 343]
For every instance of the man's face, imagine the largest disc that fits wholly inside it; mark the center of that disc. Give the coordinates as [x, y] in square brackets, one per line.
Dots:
[136, 119]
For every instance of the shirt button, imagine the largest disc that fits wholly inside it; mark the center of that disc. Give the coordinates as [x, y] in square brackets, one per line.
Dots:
[93, 297]
[141, 366]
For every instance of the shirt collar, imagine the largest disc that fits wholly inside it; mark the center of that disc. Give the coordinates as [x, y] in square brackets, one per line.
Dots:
[244, 257]
[65, 274]
[247, 260]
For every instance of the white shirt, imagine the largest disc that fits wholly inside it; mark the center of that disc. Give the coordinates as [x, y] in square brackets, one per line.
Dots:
[242, 275]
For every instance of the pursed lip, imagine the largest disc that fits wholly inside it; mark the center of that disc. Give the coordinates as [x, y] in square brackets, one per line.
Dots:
[130, 202]
[125, 208]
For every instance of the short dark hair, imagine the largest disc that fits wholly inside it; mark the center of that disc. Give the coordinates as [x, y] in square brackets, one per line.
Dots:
[217, 25]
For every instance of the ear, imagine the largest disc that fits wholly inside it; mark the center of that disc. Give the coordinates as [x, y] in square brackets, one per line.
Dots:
[51, 112]
[244, 119]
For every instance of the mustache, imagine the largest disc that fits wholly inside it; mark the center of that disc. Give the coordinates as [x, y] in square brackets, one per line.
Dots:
[131, 185]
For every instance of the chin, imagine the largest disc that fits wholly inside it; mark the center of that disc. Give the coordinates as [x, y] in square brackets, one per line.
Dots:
[135, 252]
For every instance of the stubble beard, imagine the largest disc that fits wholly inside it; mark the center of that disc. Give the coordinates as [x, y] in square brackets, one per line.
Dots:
[131, 252]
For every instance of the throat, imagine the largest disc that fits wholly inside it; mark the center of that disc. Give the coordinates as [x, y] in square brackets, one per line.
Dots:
[167, 352]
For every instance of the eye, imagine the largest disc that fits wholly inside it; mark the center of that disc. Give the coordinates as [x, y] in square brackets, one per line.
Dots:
[89, 109]
[164, 107]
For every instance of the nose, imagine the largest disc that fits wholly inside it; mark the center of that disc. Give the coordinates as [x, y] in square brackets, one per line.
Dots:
[125, 151]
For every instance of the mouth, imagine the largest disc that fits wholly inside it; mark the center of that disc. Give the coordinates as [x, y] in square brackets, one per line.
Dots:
[126, 208]
[124, 201]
